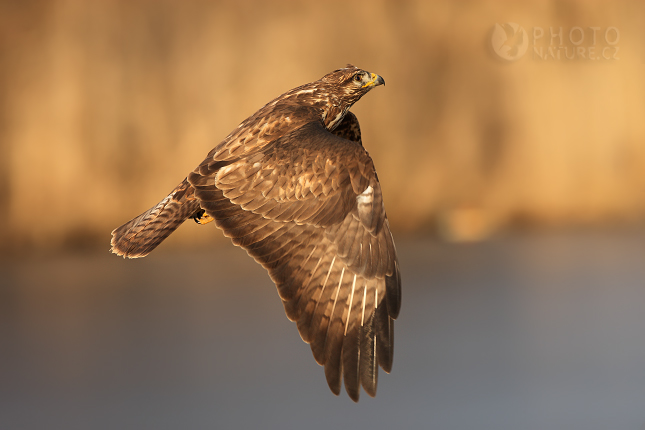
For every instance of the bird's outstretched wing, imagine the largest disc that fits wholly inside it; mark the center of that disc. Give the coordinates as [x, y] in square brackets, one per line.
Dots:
[309, 208]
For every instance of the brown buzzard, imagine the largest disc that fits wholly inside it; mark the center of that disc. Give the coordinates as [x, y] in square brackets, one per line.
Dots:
[293, 185]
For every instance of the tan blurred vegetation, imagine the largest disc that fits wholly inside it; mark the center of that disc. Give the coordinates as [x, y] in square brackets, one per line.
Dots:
[106, 105]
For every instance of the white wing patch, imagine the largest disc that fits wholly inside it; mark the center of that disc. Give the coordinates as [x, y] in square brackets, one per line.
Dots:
[366, 197]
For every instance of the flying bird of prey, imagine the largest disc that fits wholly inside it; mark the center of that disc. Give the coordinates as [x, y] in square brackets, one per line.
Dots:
[293, 185]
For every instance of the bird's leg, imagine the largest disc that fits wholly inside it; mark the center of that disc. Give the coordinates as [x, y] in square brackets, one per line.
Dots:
[202, 217]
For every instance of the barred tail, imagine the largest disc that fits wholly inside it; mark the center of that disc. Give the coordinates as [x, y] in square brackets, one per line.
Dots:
[142, 234]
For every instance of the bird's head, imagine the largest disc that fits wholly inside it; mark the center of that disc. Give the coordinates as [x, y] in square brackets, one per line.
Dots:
[352, 82]
[345, 87]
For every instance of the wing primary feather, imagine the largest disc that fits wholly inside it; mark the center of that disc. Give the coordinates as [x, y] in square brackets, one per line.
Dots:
[368, 361]
[304, 321]
[385, 334]
[296, 275]
[351, 300]
[322, 289]
[333, 344]
[352, 362]
[305, 286]
[376, 297]
[317, 321]
[364, 300]
[333, 308]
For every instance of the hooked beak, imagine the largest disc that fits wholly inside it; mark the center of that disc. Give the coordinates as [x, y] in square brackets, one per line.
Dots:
[374, 81]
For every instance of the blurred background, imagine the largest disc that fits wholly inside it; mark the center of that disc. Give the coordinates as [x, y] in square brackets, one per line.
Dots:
[510, 144]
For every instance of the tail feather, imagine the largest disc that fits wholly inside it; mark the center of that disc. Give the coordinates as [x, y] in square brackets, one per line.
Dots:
[139, 236]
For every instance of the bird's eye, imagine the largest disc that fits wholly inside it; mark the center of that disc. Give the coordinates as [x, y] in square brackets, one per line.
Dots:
[358, 78]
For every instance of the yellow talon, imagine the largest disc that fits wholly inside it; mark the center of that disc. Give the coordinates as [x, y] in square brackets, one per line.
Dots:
[204, 219]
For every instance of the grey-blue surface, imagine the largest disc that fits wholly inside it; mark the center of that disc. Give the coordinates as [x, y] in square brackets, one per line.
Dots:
[534, 331]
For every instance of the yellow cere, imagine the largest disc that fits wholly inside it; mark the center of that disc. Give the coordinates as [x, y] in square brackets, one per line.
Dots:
[373, 76]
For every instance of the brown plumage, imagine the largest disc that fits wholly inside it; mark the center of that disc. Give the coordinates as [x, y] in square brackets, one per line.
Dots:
[294, 186]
